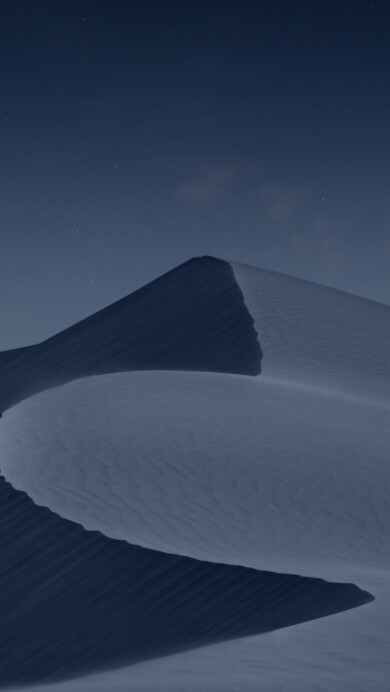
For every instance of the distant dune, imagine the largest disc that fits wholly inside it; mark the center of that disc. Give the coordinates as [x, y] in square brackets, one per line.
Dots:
[160, 497]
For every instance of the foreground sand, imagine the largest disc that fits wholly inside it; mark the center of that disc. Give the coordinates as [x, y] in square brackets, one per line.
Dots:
[171, 510]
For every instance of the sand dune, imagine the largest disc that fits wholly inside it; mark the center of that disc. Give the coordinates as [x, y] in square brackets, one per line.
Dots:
[185, 498]
[215, 467]
[74, 601]
[192, 318]
[318, 335]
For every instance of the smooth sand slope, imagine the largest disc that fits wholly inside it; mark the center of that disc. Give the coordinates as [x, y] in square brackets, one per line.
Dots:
[229, 484]
[215, 467]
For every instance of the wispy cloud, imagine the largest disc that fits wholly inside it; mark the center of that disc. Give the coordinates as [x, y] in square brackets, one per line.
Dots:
[281, 201]
[210, 184]
[319, 246]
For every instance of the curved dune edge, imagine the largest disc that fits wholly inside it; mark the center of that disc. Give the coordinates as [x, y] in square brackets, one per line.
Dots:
[219, 468]
[334, 359]
[193, 318]
[75, 602]
[316, 335]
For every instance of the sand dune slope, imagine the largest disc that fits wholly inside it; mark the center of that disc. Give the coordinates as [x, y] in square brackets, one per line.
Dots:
[170, 508]
[192, 318]
[74, 601]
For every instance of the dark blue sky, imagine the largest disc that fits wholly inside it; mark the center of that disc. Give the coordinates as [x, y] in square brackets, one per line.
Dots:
[136, 134]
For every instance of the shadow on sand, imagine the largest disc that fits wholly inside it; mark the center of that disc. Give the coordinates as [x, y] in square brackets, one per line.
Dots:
[192, 318]
[73, 601]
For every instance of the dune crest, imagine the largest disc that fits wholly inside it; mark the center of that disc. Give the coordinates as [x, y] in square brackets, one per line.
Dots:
[159, 457]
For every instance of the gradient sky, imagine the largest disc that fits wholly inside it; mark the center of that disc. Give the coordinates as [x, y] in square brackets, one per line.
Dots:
[135, 135]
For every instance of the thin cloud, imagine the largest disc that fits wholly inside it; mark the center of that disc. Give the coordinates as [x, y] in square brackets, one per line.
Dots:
[210, 185]
[281, 201]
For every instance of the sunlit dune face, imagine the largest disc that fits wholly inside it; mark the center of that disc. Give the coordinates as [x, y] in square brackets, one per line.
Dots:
[222, 468]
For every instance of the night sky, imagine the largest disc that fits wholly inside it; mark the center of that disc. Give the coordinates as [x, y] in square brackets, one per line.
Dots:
[135, 135]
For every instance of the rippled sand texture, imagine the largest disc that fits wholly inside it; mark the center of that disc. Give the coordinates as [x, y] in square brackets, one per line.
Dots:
[166, 510]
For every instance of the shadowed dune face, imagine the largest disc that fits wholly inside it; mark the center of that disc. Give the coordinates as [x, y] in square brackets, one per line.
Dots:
[192, 318]
[73, 601]
[199, 468]
[214, 467]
